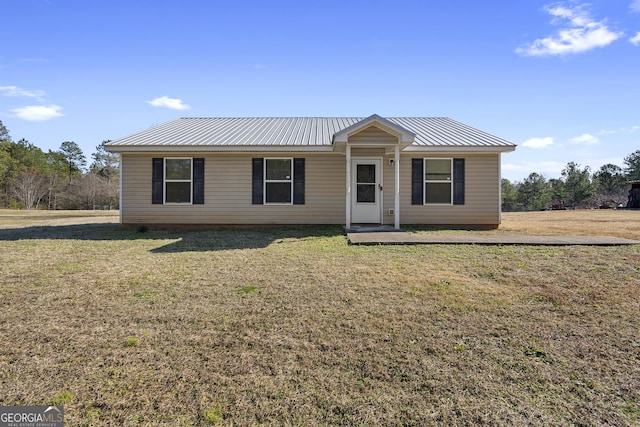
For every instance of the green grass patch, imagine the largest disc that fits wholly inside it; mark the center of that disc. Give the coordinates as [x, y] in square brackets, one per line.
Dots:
[213, 415]
[62, 398]
[131, 342]
[247, 290]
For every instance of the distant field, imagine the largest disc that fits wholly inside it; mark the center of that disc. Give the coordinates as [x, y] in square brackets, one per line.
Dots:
[618, 223]
[11, 218]
[292, 326]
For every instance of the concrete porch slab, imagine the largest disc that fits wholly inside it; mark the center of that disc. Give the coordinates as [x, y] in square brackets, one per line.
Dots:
[370, 228]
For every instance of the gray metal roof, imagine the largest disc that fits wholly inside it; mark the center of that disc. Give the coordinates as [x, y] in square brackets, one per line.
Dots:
[295, 132]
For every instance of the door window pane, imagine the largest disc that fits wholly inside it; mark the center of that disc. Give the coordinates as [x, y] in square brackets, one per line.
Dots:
[366, 193]
[366, 174]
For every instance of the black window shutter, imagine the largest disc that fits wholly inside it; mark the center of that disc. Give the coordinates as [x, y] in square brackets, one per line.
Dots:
[157, 177]
[198, 181]
[458, 181]
[256, 181]
[417, 181]
[298, 181]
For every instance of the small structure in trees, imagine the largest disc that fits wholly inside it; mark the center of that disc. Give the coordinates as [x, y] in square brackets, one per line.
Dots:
[634, 195]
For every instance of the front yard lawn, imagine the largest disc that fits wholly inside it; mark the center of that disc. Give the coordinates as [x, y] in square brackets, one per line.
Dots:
[291, 326]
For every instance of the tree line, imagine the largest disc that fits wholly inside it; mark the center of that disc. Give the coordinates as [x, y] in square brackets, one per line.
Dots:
[33, 179]
[577, 187]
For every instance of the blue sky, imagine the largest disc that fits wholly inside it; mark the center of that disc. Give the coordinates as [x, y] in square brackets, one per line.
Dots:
[560, 79]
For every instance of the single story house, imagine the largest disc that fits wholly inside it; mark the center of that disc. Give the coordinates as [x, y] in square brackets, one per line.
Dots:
[311, 170]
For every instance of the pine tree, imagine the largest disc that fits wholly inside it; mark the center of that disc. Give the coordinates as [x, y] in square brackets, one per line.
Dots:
[74, 157]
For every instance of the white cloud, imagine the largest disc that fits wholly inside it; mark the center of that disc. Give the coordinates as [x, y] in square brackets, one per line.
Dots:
[635, 39]
[580, 34]
[16, 91]
[172, 103]
[585, 138]
[635, 6]
[538, 142]
[38, 113]
[632, 129]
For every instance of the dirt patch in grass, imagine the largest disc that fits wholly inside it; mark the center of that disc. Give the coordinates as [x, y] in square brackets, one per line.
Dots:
[273, 326]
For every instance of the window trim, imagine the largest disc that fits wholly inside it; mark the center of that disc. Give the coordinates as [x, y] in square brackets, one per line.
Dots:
[437, 181]
[165, 181]
[265, 181]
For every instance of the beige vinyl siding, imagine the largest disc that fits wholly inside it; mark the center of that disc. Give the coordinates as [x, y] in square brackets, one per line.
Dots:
[373, 136]
[482, 198]
[388, 190]
[228, 192]
[369, 153]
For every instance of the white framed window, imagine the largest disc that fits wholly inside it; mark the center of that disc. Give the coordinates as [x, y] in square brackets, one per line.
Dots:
[178, 180]
[438, 181]
[278, 181]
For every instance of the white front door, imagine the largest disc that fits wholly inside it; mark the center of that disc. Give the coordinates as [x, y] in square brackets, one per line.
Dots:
[366, 191]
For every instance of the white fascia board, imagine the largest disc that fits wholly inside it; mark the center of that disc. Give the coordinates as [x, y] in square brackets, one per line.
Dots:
[431, 149]
[220, 149]
[339, 147]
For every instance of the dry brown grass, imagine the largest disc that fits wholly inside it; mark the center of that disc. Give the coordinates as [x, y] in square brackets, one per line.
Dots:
[11, 218]
[619, 223]
[291, 326]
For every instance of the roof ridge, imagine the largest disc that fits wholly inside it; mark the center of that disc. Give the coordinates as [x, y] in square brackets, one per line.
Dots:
[314, 117]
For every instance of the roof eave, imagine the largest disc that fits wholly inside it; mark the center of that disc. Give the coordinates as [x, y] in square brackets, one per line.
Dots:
[297, 148]
[216, 149]
[449, 148]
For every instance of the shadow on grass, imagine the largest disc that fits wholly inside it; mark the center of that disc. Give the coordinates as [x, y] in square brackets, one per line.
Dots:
[184, 239]
[216, 239]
